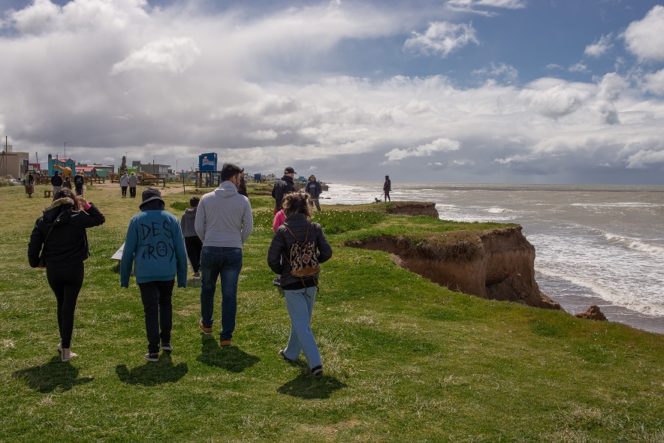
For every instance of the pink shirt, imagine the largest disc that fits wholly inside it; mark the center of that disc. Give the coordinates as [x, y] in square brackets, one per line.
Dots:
[279, 219]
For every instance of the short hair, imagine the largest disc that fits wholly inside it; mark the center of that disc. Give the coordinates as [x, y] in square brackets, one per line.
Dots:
[296, 203]
[229, 170]
[193, 201]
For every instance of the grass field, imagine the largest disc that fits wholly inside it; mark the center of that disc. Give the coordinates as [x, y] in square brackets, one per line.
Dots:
[405, 359]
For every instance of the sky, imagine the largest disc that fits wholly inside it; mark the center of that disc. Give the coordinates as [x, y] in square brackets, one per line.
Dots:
[448, 91]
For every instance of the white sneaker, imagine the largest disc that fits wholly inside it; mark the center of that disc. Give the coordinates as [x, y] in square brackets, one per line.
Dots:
[66, 354]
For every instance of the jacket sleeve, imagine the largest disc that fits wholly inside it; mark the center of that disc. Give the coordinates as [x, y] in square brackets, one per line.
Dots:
[324, 248]
[180, 254]
[247, 220]
[35, 245]
[128, 252]
[199, 221]
[274, 253]
[91, 217]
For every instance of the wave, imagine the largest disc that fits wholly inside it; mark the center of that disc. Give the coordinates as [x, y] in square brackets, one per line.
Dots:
[629, 205]
[634, 244]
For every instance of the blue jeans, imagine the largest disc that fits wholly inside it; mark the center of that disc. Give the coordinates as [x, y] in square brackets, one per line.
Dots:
[300, 305]
[227, 263]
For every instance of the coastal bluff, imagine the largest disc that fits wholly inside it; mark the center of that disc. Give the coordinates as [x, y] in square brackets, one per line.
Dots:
[495, 264]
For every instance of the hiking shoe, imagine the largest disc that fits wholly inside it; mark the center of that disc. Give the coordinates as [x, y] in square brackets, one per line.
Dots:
[66, 354]
[286, 359]
[207, 330]
[225, 342]
[152, 356]
[197, 275]
[167, 347]
[317, 371]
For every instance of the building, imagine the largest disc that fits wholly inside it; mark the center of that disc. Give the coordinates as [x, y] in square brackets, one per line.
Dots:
[66, 163]
[151, 168]
[14, 164]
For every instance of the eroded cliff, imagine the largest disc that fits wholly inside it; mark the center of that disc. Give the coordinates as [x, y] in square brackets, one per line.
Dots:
[497, 264]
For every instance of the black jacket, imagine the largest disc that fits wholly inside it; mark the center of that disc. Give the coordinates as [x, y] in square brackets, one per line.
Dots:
[314, 189]
[67, 244]
[56, 180]
[277, 256]
[281, 188]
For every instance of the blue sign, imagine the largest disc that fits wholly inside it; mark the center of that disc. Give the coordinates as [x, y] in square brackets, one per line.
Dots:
[207, 162]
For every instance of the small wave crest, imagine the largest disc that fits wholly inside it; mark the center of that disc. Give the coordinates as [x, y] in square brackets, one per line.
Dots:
[634, 244]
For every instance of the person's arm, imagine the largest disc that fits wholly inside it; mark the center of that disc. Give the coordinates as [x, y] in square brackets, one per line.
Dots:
[199, 221]
[324, 248]
[35, 245]
[180, 254]
[278, 220]
[128, 252]
[247, 220]
[88, 217]
[274, 253]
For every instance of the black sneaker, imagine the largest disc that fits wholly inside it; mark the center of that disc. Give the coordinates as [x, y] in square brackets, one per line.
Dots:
[167, 347]
[317, 371]
[152, 356]
[286, 359]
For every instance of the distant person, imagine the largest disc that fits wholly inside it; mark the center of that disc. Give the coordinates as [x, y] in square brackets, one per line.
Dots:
[56, 182]
[242, 188]
[191, 241]
[154, 241]
[387, 187]
[79, 180]
[290, 255]
[223, 222]
[59, 243]
[314, 189]
[282, 187]
[67, 183]
[124, 183]
[133, 181]
[29, 184]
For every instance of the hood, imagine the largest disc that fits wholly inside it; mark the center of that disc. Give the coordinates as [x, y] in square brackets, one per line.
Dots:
[226, 189]
[57, 207]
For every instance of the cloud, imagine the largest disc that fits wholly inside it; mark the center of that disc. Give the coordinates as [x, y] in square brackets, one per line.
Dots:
[555, 98]
[655, 82]
[426, 150]
[646, 158]
[578, 67]
[644, 38]
[600, 47]
[484, 7]
[441, 38]
[506, 73]
[172, 54]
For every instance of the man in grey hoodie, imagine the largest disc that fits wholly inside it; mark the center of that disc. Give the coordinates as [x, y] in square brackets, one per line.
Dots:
[223, 222]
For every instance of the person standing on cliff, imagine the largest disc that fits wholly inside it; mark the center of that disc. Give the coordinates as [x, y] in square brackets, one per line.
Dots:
[282, 187]
[387, 187]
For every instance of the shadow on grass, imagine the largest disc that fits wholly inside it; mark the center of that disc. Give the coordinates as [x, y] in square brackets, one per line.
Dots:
[153, 373]
[231, 358]
[307, 387]
[51, 376]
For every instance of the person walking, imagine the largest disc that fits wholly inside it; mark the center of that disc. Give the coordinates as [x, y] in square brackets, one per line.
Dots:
[79, 180]
[223, 222]
[314, 189]
[133, 181]
[154, 241]
[296, 250]
[56, 182]
[29, 184]
[59, 242]
[124, 182]
[191, 240]
[282, 187]
[387, 187]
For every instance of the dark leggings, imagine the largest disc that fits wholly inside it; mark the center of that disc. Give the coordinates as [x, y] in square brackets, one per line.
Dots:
[156, 296]
[66, 284]
[194, 245]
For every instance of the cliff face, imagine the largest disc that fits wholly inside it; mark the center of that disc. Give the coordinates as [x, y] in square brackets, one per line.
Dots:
[497, 264]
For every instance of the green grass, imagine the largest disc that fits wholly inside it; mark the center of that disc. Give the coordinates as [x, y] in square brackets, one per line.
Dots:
[405, 359]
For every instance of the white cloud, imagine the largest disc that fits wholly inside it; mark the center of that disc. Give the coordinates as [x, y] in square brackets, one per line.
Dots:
[645, 38]
[554, 67]
[555, 98]
[480, 6]
[441, 38]
[503, 72]
[578, 67]
[172, 54]
[426, 150]
[600, 47]
[655, 82]
[646, 158]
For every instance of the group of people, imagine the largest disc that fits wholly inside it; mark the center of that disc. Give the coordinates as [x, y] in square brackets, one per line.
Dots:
[155, 246]
[58, 183]
[128, 181]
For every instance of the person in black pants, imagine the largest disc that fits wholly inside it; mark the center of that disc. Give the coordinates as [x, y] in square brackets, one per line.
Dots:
[59, 242]
[193, 244]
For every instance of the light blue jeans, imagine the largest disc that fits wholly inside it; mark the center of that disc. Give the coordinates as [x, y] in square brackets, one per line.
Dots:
[300, 305]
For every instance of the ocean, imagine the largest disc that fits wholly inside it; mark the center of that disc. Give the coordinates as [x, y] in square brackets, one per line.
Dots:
[601, 245]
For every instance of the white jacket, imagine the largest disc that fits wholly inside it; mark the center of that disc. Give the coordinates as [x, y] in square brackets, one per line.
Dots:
[224, 218]
[124, 180]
